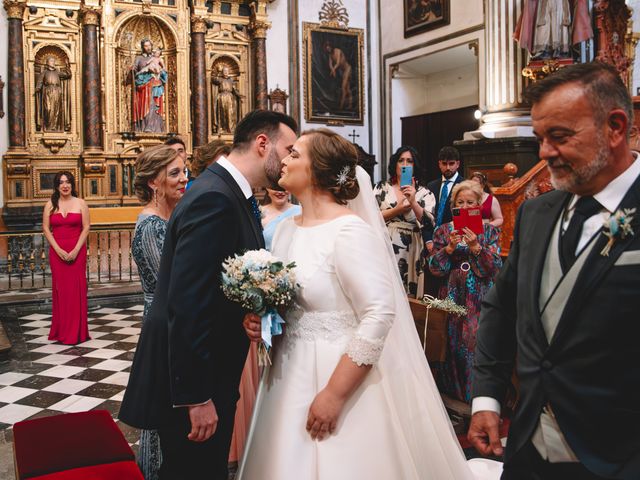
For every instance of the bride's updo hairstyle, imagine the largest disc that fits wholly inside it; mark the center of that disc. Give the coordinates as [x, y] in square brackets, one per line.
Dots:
[333, 163]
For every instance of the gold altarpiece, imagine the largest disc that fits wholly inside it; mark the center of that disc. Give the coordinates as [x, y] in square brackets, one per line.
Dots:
[74, 94]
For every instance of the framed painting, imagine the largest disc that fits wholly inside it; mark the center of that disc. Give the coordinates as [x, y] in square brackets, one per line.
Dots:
[423, 15]
[333, 75]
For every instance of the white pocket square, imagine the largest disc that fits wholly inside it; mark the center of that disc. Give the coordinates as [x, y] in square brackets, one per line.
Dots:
[631, 257]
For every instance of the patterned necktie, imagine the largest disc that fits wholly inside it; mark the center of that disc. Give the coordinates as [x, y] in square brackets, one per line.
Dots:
[586, 207]
[255, 210]
[442, 203]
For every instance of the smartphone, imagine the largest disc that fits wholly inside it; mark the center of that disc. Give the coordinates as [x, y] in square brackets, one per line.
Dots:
[468, 217]
[406, 175]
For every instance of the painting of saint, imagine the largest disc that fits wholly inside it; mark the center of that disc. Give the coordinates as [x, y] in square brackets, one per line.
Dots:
[423, 15]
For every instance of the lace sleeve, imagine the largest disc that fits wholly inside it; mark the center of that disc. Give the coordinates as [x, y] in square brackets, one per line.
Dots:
[364, 278]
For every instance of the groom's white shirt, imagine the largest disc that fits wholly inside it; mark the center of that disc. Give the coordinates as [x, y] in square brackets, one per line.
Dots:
[237, 176]
[548, 438]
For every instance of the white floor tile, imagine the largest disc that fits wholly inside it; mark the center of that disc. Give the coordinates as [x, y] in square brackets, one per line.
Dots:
[10, 378]
[14, 412]
[118, 396]
[128, 331]
[35, 316]
[120, 378]
[103, 353]
[96, 343]
[95, 335]
[54, 348]
[106, 310]
[13, 394]
[132, 339]
[139, 308]
[122, 323]
[114, 316]
[37, 331]
[62, 371]
[57, 359]
[76, 403]
[37, 324]
[113, 365]
[68, 385]
[43, 339]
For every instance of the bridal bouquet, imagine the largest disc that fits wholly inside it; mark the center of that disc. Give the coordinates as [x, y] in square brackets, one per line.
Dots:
[260, 283]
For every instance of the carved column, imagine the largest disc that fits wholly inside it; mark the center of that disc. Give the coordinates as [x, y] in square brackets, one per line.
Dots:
[15, 81]
[258, 29]
[91, 87]
[505, 112]
[611, 17]
[199, 96]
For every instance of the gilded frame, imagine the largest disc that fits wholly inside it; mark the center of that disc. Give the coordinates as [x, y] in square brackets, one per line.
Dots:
[327, 100]
[421, 16]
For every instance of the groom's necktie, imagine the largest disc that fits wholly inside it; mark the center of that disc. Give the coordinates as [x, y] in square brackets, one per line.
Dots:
[585, 208]
[442, 203]
[255, 210]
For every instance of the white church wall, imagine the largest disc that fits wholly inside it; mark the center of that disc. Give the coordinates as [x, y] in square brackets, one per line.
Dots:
[4, 122]
[362, 15]
[464, 14]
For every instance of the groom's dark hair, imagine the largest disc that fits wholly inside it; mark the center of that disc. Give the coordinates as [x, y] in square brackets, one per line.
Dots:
[260, 121]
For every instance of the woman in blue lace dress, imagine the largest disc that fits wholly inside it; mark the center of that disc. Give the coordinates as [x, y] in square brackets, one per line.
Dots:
[159, 185]
[469, 262]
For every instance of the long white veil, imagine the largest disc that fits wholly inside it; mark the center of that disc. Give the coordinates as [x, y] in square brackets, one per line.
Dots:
[415, 404]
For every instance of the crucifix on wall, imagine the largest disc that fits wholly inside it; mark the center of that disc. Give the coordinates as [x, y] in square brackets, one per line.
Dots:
[353, 136]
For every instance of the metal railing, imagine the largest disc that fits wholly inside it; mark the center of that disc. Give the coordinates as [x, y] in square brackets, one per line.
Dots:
[24, 258]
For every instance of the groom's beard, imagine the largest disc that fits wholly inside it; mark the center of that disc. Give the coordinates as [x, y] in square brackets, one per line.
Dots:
[273, 169]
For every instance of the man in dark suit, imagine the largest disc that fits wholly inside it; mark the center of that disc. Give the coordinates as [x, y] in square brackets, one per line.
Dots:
[186, 371]
[449, 163]
[564, 309]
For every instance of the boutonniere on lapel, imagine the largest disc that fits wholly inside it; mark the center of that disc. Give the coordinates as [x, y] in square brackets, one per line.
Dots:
[617, 226]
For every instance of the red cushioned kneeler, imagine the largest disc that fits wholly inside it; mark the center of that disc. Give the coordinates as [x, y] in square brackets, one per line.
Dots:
[71, 441]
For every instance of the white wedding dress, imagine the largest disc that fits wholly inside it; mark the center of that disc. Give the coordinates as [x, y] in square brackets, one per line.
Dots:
[394, 426]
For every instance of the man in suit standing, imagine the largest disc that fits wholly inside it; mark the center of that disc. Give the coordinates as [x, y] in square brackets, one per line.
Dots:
[187, 367]
[449, 163]
[564, 309]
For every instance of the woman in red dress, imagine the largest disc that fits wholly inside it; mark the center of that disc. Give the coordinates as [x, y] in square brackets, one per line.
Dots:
[65, 222]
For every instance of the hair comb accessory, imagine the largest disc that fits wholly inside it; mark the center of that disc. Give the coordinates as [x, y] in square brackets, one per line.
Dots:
[343, 176]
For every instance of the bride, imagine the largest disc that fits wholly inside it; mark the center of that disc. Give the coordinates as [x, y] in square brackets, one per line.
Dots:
[349, 394]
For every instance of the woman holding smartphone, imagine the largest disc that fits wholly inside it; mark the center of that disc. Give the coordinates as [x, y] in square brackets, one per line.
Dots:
[406, 207]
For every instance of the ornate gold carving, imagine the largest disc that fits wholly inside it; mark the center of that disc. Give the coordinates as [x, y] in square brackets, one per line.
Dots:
[54, 144]
[278, 100]
[540, 69]
[334, 14]
[258, 28]
[198, 24]
[94, 168]
[90, 15]
[15, 9]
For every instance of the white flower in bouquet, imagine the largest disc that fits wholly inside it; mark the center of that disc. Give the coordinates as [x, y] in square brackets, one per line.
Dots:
[261, 283]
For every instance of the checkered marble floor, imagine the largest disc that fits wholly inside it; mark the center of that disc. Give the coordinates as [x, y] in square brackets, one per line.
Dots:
[42, 378]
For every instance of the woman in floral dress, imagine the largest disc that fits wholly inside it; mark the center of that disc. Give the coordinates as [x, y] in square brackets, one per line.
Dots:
[405, 210]
[470, 263]
[159, 184]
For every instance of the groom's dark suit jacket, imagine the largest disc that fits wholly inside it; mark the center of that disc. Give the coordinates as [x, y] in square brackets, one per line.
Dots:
[192, 346]
[589, 372]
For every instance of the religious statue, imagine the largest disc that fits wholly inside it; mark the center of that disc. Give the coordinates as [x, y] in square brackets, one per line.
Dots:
[149, 82]
[548, 28]
[53, 102]
[226, 102]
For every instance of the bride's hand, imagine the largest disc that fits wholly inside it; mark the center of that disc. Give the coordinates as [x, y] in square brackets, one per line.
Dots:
[323, 414]
[252, 324]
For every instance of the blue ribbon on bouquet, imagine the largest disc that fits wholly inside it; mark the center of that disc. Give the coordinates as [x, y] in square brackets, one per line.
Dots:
[271, 325]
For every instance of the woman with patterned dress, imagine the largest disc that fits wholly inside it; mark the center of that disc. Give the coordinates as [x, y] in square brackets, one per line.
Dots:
[159, 185]
[65, 223]
[470, 263]
[405, 210]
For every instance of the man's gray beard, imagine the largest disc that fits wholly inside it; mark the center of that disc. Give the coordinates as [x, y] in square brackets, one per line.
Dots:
[272, 170]
[585, 173]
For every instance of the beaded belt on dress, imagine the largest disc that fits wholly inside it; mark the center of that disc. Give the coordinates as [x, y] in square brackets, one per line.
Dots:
[329, 326]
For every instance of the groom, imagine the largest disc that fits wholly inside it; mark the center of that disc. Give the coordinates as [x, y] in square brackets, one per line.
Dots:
[186, 371]
[563, 310]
